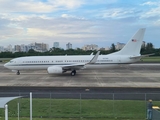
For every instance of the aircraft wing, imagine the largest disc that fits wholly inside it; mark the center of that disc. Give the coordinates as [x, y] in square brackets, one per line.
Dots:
[79, 66]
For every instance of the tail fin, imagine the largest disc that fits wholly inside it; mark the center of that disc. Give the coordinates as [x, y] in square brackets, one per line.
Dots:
[133, 46]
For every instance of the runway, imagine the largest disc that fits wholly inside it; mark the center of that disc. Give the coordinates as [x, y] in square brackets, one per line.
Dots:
[134, 76]
[133, 82]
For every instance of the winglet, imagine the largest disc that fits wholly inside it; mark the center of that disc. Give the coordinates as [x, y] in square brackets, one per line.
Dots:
[91, 53]
[94, 59]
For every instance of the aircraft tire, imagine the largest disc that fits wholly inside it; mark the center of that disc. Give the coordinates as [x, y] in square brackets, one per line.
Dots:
[18, 73]
[73, 73]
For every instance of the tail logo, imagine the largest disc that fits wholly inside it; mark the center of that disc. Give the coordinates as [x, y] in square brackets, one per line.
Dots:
[134, 40]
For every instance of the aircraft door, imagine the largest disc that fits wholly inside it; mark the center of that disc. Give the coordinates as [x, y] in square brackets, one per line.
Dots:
[119, 59]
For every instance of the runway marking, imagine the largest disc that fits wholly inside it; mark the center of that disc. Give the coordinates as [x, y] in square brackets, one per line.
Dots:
[68, 82]
[98, 79]
[133, 83]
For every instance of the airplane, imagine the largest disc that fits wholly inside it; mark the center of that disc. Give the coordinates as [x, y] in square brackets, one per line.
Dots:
[130, 53]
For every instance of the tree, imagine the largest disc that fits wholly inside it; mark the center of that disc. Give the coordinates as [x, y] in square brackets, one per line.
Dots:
[113, 48]
[31, 51]
[149, 46]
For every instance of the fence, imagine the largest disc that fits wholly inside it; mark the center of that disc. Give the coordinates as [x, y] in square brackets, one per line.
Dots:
[51, 105]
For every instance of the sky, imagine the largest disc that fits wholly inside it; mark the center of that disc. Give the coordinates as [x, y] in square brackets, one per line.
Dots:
[79, 22]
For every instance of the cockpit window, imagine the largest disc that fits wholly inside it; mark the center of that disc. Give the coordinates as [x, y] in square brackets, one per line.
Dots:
[11, 61]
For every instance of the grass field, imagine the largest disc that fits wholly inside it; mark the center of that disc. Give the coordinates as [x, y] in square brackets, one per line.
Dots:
[27, 118]
[5, 59]
[151, 59]
[74, 109]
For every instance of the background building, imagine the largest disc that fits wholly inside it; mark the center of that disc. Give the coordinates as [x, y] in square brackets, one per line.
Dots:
[39, 47]
[68, 46]
[103, 49]
[17, 48]
[90, 47]
[31, 46]
[119, 46]
[24, 48]
[1, 49]
[107, 48]
[9, 48]
[56, 44]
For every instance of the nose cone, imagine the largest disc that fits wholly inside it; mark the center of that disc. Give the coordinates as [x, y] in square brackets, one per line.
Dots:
[6, 65]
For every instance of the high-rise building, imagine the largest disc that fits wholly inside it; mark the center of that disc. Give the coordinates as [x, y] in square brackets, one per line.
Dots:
[9, 48]
[90, 47]
[107, 48]
[119, 46]
[56, 44]
[102, 48]
[31, 46]
[39, 47]
[68, 46]
[44, 47]
[24, 48]
[17, 48]
[1, 49]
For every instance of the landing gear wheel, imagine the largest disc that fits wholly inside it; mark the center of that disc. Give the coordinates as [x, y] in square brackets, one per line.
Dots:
[18, 73]
[73, 73]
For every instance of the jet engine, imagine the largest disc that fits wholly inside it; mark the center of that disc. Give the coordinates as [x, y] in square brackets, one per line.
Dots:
[54, 70]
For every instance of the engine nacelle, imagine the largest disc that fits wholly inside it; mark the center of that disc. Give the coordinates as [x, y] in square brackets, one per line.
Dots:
[54, 70]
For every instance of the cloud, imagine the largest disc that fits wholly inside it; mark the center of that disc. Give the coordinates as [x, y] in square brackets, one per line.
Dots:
[37, 6]
[149, 3]
[41, 28]
[116, 13]
[97, 2]
[77, 21]
[152, 13]
[25, 6]
[157, 23]
[71, 16]
[69, 4]
[39, 32]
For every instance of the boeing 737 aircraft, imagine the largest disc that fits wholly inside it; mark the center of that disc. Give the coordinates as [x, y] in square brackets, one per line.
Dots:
[130, 53]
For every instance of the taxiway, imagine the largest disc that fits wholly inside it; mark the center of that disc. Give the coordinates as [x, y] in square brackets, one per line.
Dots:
[136, 76]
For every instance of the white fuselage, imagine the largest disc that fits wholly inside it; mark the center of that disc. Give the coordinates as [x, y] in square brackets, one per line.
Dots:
[43, 62]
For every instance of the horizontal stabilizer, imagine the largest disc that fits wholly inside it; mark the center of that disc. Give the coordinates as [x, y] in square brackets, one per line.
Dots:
[134, 57]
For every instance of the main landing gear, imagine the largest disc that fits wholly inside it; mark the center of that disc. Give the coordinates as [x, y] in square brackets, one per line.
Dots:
[73, 73]
[18, 73]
